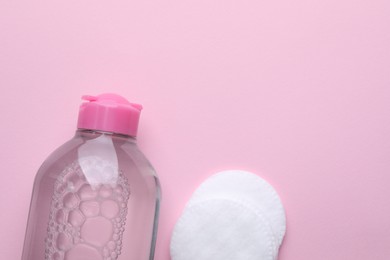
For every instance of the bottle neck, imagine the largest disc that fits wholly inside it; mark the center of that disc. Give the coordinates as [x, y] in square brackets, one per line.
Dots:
[92, 134]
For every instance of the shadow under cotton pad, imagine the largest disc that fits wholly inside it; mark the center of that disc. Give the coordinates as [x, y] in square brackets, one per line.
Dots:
[233, 215]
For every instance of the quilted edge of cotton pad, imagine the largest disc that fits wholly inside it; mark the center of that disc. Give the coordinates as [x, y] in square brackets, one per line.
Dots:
[252, 178]
[272, 247]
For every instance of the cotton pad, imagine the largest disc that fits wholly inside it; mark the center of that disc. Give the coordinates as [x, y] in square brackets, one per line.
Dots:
[249, 188]
[221, 229]
[233, 215]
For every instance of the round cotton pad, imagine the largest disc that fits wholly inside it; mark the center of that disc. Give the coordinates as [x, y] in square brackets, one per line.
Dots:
[221, 229]
[249, 188]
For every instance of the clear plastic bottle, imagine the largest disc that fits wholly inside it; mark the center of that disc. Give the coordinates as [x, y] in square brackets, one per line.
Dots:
[96, 197]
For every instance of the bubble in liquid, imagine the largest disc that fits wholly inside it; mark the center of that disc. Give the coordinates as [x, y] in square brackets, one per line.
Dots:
[60, 228]
[73, 182]
[111, 245]
[109, 209]
[57, 256]
[90, 208]
[60, 216]
[105, 191]
[70, 200]
[64, 242]
[75, 218]
[96, 231]
[62, 188]
[86, 192]
[58, 205]
[49, 237]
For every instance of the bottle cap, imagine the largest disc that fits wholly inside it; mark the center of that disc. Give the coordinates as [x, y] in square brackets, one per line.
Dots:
[109, 112]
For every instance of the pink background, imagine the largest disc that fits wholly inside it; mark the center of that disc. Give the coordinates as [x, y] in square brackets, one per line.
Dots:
[297, 91]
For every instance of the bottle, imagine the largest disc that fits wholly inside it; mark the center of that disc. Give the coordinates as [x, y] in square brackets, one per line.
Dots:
[96, 197]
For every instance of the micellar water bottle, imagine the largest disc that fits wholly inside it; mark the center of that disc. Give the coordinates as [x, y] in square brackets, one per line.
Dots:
[96, 197]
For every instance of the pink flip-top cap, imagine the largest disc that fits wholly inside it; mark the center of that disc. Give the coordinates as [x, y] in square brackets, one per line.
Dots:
[110, 113]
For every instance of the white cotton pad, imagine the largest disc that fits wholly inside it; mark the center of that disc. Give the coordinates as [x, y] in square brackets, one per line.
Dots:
[233, 215]
[249, 188]
[220, 229]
